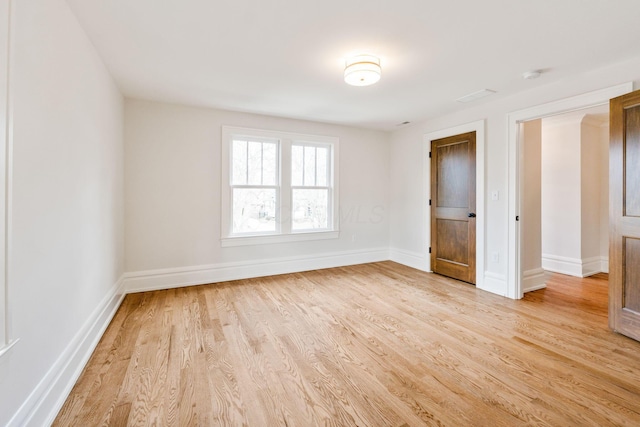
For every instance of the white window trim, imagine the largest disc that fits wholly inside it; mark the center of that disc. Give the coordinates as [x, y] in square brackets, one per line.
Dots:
[284, 233]
[281, 238]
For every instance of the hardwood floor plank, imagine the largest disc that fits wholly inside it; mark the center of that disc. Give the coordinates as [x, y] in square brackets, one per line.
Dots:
[226, 402]
[106, 375]
[366, 345]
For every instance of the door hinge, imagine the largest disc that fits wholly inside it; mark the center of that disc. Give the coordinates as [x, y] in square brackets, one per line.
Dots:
[517, 217]
[429, 202]
[429, 154]
[429, 249]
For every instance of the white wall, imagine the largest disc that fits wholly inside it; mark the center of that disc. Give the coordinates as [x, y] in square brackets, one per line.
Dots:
[573, 206]
[592, 198]
[172, 201]
[532, 188]
[561, 195]
[408, 191]
[67, 251]
[531, 213]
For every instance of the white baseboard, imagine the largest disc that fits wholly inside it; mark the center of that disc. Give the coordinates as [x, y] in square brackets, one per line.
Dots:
[573, 266]
[532, 280]
[151, 280]
[591, 266]
[494, 283]
[45, 401]
[562, 265]
[410, 259]
[604, 264]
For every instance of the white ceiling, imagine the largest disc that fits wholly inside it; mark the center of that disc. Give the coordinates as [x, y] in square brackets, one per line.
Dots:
[286, 57]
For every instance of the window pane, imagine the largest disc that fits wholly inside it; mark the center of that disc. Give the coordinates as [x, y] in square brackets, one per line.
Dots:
[255, 163]
[239, 163]
[322, 154]
[269, 163]
[296, 164]
[310, 209]
[254, 210]
[309, 166]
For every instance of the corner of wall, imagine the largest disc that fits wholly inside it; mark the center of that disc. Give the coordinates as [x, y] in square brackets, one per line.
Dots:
[410, 259]
[45, 401]
[532, 280]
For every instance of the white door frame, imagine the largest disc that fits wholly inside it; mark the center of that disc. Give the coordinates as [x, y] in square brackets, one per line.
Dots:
[587, 100]
[6, 137]
[479, 128]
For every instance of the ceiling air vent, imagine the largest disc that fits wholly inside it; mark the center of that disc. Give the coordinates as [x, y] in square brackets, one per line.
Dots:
[476, 95]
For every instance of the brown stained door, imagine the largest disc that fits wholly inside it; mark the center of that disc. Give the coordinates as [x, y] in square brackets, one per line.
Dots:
[624, 211]
[453, 207]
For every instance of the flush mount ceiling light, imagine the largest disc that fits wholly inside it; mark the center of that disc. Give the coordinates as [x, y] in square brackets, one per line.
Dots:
[362, 70]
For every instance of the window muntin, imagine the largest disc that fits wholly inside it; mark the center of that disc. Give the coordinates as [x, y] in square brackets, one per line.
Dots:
[254, 162]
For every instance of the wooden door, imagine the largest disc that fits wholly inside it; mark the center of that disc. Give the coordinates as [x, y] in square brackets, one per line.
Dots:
[453, 207]
[624, 215]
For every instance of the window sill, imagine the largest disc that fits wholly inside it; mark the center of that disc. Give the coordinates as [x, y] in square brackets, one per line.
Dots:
[281, 238]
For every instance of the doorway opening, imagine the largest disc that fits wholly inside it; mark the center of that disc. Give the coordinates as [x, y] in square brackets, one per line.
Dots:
[515, 179]
[564, 220]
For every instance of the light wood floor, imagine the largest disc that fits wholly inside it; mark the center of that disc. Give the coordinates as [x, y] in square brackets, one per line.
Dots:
[370, 345]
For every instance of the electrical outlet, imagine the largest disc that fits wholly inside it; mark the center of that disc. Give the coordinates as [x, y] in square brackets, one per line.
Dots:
[495, 195]
[495, 257]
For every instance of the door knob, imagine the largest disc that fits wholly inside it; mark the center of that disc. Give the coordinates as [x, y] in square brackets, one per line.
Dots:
[471, 215]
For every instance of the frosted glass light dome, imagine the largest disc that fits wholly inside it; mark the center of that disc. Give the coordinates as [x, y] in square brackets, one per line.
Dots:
[362, 70]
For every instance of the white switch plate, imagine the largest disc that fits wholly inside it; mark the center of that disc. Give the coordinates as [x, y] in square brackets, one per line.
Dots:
[495, 195]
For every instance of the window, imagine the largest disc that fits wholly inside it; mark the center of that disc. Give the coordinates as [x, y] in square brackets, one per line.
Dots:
[277, 187]
[310, 188]
[254, 188]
